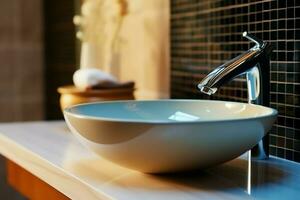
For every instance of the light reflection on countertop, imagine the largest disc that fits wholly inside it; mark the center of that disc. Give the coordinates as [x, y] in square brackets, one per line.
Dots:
[49, 151]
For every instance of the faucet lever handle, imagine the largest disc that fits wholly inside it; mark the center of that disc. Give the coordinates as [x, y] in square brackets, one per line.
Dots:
[258, 42]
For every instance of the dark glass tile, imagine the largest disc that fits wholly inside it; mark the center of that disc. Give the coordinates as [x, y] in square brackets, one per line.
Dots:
[259, 16]
[281, 4]
[290, 111]
[281, 76]
[259, 27]
[297, 21]
[244, 19]
[296, 99]
[297, 123]
[290, 13]
[290, 88]
[290, 34]
[266, 15]
[273, 97]
[290, 3]
[290, 24]
[281, 88]
[281, 109]
[281, 121]
[297, 145]
[281, 25]
[296, 37]
[297, 134]
[281, 14]
[289, 154]
[258, 7]
[289, 122]
[273, 14]
[297, 10]
[280, 142]
[290, 99]
[289, 144]
[281, 34]
[290, 133]
[273, 150]
[297, 156]
[280, 152]
[274, 5]
[297, 63]
[274, 35]
[289, 66]
[273, 140]
[290, 56]
[273, 87]
[290, 77]
[290, 46]
[297, 89]
[281, 45]
[274, 76]
[281, 66]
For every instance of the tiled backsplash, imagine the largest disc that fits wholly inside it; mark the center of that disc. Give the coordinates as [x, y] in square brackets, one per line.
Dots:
[206, 33]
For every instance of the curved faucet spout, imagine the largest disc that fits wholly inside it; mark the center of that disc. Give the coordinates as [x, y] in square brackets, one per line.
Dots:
[228, 71]
[236, 66]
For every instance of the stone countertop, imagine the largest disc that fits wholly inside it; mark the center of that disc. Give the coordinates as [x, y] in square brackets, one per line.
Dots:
[49, 151]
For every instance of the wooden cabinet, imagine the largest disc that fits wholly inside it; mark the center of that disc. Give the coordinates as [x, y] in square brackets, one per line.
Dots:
[29, 185]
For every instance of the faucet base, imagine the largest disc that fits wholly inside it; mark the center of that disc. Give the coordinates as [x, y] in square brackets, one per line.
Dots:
[261, 150]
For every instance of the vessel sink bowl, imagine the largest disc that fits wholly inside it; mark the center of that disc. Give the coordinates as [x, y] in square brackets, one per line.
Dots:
[169, 135]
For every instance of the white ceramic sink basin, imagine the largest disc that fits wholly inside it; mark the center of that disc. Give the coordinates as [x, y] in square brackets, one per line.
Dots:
[169, 135]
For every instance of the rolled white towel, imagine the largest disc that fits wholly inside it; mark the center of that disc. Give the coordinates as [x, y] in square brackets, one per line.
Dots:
[89, 77]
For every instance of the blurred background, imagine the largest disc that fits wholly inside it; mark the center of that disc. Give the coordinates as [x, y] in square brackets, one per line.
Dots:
[39, 52]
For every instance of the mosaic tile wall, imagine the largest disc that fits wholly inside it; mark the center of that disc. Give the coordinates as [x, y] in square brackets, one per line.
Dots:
[206, 33]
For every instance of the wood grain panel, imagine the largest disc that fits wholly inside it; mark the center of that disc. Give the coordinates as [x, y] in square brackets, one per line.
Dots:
[29, 185]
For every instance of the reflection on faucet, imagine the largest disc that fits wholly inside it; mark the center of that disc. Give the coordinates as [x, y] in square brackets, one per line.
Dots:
[255, 63]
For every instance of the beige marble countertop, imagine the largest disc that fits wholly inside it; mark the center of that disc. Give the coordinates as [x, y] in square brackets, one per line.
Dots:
[49, 151]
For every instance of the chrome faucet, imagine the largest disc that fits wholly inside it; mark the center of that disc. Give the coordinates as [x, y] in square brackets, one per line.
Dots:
[255, 63]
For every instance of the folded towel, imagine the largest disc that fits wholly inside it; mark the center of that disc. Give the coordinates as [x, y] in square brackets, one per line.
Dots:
[88, 78]
[112, 85]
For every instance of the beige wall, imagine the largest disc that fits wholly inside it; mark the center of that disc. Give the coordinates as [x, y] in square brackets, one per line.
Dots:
[144, 49]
